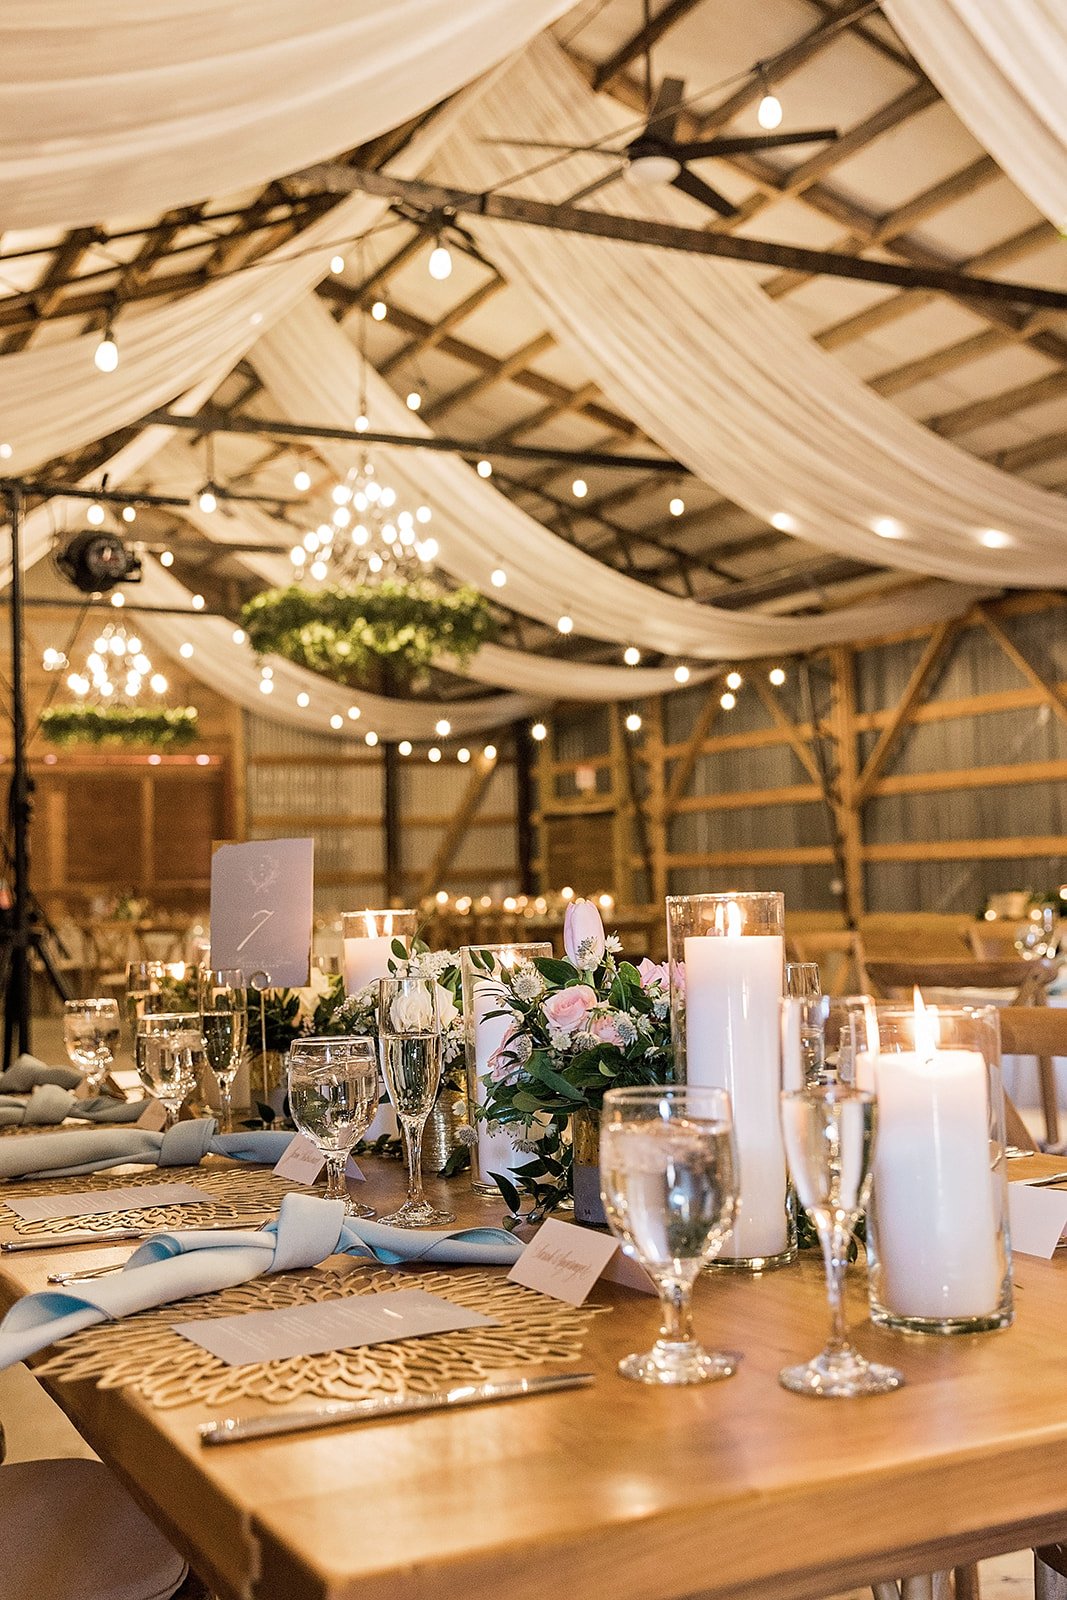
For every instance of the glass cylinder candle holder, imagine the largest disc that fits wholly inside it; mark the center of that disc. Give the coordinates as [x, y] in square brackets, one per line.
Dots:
[727, 968]
[368, 943]
[938, 1245]
[484, 1033]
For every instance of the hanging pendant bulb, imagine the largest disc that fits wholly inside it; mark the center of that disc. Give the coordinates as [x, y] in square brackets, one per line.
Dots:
[769, 110]
[207, 500]
[106, 354]
[440, 262]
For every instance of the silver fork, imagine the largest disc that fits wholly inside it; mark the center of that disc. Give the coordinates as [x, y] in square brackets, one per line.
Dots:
[89, 1272]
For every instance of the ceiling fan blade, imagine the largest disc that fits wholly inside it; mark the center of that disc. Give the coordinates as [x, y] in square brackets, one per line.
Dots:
[546, 144]
[697, 189]
[700, 148]
[663, 112]
[598, 183]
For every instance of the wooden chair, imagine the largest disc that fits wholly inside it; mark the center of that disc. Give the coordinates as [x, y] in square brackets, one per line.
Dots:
[1027, 981]
[840, 956]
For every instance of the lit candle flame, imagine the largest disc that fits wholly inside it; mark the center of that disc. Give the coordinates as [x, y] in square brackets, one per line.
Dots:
[927, 1028]
[728, 919]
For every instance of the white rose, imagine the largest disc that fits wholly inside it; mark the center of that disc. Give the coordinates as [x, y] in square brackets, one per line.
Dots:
[447, 1010]
[412, 1012]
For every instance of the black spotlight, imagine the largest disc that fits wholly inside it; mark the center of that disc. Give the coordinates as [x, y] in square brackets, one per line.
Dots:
[96, 562]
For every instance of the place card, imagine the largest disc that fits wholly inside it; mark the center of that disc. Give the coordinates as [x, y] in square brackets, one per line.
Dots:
[300, 1161]
[261, 909]
[1038, 1219]
[563, 1261]
[328, 1325]
[354, 1172]
[624, 1270]
[153, 1117]
[98, 1202]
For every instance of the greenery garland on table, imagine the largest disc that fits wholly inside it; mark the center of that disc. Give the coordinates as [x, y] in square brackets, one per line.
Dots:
[158, 727]
[369, 635]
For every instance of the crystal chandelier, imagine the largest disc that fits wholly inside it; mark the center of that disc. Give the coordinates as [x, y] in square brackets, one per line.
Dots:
[116, 669]
[367, 538]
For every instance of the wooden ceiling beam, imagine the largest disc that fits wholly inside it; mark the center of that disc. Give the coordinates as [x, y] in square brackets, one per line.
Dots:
[642, 40]
[503, 370]
[429, 341]
[868, 32]
[49, 291]
[544, 415]
[1050, 447]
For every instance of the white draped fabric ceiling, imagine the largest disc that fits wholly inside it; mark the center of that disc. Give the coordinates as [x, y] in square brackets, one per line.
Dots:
[724, 379]
[1002, 66]
[312, 372]
[113, 108]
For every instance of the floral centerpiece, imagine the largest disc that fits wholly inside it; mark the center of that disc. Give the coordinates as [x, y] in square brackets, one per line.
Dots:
[578, 1027]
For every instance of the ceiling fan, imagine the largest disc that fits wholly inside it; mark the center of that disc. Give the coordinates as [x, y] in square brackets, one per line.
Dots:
[655, 156]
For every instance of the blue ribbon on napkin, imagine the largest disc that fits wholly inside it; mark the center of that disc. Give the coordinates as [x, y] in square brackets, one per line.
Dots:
[62, 1155]
[174, 1266]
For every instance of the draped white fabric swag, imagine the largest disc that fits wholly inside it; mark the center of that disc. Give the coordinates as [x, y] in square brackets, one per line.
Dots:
[1002, 67]
[724, 379]
[312, 372]
[119, 108]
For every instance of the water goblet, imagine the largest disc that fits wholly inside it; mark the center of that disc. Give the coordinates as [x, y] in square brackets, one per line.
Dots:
[91, 1037]
[669, 1182]
[333, 1097]
[144, 990]
[224, 1025]
[829, 1131]
[409, 1036]
[169, 1052]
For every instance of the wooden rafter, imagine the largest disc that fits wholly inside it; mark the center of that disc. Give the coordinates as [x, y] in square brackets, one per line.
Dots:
[673, 11]
[685, 766]
[467, 809]
[930, 664]
[1050, 692]
[799, 744]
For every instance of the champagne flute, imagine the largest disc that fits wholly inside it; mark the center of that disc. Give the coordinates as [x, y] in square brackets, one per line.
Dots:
[333, 1097]
[409, 1035]
[91, 1037]
[669, 1182]
[829, 1131]
[802, 978]
[169, 1051]
[144, 989]
[224, 1025]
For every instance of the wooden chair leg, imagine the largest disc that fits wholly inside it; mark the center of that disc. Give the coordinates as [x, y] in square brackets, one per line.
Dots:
[965, 1580]
[1047, 1078]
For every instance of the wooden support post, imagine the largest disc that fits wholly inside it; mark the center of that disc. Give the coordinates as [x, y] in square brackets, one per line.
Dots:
[658, 820]
[392, 853]
[622, 886]
[520, 734]
[453, 835]
[932, 661]
[849, 823]
[686, 763]
[799, 745]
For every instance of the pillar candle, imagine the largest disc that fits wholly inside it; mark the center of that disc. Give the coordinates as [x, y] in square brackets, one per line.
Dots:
[496, 1151]
[933, 1185]
[366, 960]
[733, 988]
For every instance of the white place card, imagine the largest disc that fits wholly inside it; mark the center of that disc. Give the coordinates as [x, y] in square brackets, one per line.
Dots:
[563, 1261]
[624, 1270]
[354, 1172]
[300, 1161]
[1038, 1219]
[261, 909]
[329, 1325]
[98, 1202]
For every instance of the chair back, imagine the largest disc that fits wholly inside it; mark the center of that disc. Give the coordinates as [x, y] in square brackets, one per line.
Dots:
[840, 958]
[1028, 980]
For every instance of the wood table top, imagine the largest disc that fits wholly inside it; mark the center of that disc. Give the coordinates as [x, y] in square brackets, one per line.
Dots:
[726, 1489]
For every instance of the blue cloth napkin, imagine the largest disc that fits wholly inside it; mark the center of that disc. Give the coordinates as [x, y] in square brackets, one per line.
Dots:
[173, 1266]
[62, 1155]
[28, 1073]
[47, 1105]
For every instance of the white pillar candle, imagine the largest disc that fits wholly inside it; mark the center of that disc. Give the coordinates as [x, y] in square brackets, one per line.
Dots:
[496, 1151]
[366, 960]
[733, 988]
[933, 1200]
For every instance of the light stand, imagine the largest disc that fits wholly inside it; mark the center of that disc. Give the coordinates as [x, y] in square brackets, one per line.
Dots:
[20, 932]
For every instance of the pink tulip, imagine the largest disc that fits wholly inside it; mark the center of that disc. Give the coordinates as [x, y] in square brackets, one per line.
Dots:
[568, 1008]
[653, 972]
[583, 935]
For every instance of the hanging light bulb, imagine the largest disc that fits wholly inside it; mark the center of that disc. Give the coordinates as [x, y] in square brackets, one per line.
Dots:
[539, 732]
[379, 310]
[362, 423]
[370, 738]
[484, 469]
[129, 514]
[404, 747]
[633, 723]
[106, 354]
[207, 500]
[443, 728]
[631, 655]
[498, 578]
[677, 506]
[579, 488]
[565, 625]
[769, 110]
[302, 481]
[777, 677]
[239, 636]
[197, 602]
[337, 721]
[440, 262]
[728, 701]
[414, 400]
[681, 674]
[337, 264]
[303, 699]
[433, 754]
[95, 515]
[166, 558]
[489, 752]
[463, 755]
[733, 680]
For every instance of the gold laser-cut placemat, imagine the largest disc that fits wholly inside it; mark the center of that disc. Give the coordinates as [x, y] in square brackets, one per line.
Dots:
[237, 1195]
[144, 1353]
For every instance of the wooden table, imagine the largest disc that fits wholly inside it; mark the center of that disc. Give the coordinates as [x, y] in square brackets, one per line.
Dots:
[730, 1489]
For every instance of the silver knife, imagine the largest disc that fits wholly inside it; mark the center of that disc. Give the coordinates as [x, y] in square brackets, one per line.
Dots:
[231, 1430]
[59, 1241]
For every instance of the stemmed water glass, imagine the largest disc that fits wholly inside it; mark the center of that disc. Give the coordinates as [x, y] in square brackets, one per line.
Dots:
[169, 1052]
[669, 1181]
[409, 1035]
[91, 1037]
[829, 1131]
[224, 1025]
[333, 1097]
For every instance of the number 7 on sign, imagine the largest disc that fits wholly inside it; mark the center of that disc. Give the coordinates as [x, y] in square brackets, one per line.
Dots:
[264, 918]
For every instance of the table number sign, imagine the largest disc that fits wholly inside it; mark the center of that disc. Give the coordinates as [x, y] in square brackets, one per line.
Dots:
[261, 909]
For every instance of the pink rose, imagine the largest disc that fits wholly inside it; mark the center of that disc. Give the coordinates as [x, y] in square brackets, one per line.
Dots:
[653, 972]
[502, 1064]
[567, 1010]
[604, 1029]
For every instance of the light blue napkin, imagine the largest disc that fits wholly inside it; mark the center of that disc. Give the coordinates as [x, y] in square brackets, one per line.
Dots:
[173, 1266]
[28, 1073]
[48, 1104]
[62, 1155]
